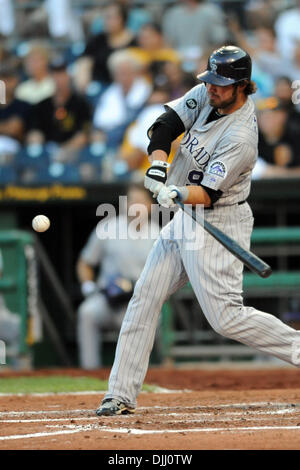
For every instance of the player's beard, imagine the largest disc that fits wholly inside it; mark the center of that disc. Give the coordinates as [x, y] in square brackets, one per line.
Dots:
[226, 103]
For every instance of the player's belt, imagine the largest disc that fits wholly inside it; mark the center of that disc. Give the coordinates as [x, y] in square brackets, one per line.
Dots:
[238, 203]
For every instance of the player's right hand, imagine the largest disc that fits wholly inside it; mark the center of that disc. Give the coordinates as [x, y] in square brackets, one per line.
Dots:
[156, 176]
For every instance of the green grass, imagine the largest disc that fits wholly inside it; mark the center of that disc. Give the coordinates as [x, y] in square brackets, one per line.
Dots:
[55, 384]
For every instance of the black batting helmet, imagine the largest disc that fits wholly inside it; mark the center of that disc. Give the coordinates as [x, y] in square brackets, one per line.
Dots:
[227, 65]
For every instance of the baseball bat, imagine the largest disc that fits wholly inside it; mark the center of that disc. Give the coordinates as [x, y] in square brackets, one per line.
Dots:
[250, 260]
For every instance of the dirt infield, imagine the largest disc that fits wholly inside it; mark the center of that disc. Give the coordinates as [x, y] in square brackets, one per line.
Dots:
[207, 409]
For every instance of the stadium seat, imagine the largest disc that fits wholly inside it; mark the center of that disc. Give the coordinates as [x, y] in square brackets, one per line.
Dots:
[93, 153]
[8, 175]
[74, 51]
[58, 172]
[32, 155]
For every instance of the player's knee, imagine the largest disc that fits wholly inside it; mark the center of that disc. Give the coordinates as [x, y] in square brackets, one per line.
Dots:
[144, 290]
[228, 323]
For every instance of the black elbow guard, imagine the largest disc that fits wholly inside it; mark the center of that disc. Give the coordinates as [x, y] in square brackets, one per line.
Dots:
[166, 128]
[161, 138]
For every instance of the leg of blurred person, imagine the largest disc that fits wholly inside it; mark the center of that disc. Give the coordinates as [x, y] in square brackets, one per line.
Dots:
[10, 329]
[94, 315]
[7, 17]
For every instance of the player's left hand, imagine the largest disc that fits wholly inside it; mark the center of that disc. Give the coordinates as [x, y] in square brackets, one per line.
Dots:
[167, 195]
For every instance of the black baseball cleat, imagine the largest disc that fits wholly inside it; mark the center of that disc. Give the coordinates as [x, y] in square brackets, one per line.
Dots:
[113, 407]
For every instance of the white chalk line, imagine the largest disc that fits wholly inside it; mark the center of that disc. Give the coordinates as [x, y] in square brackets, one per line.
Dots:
[42, 412]
[41, 434]
[148, 431]
[190, 416]
[283, 408]
[244, 406]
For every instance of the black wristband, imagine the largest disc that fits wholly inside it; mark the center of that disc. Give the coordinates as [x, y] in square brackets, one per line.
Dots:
[213, 193]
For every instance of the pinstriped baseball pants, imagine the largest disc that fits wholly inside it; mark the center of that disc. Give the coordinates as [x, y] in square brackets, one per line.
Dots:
[216, 277]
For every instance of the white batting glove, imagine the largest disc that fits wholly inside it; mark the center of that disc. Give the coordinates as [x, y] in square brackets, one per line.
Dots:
[156, 176]
[167, 195]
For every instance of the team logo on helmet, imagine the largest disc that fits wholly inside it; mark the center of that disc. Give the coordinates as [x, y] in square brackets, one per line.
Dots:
[213, 65]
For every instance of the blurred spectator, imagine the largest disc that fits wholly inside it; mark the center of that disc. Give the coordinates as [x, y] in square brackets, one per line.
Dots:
[193, 25]
[5, 55]
[137, 17]
[121, 260]
[30, 19]
[288, 31]
[152, 50]
[57, 19]
[15, 115]
[177, 80]
[284, 92]
[64, 118]
[40, 84]
[235, 8]
[268, 60]
[278, 147]
[136, 141]
[124, 98]
[93, 64]
[261, 12]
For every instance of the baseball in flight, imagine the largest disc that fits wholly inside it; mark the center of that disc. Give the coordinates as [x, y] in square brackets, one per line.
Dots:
[40, 223]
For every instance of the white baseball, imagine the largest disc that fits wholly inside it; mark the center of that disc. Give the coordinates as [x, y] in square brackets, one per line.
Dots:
[40, 223]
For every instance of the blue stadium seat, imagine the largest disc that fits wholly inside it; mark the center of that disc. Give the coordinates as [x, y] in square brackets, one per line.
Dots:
[58, 172]
[73, 52]
[93, 153]
[32, 156]
[8, 175]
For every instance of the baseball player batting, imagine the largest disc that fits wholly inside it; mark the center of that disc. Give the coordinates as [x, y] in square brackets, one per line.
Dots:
[212, 167]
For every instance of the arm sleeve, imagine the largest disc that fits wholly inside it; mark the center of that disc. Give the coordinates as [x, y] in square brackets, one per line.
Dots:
[165, 129]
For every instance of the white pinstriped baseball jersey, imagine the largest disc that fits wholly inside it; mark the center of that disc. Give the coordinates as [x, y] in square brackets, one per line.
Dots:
[220, 154]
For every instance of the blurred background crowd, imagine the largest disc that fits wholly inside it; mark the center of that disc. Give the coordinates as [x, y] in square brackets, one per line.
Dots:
[83, 80]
